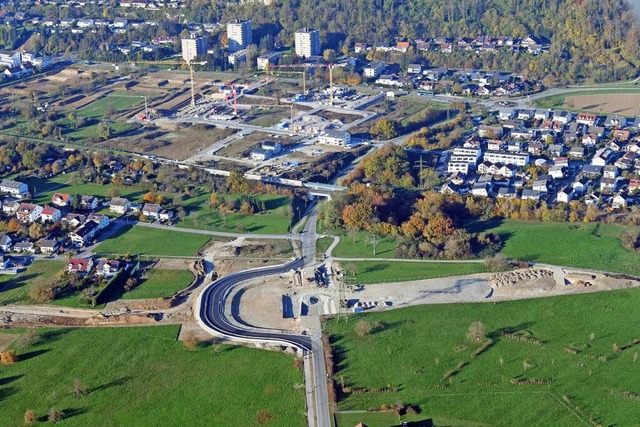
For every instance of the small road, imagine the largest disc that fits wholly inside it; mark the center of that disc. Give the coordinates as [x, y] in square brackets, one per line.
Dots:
[214, 316]
[217, 233]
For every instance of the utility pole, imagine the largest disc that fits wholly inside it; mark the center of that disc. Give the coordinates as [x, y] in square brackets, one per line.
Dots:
[420, 165]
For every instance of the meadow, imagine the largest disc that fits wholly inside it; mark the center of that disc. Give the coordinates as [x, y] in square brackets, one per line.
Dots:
[138, 240]
[275, 219]
[585, 245]
[145, 377]
[371, 272]
[562, 361]
[14, 289]
[160, 283]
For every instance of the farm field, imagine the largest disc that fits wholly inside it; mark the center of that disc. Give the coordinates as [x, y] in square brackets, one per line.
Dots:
[138, 240]
[275, 219]
[14, 289]
[160, 283]
[145, 377]
[425, 353]
[621, 101]
[591, 245]
[370, 272]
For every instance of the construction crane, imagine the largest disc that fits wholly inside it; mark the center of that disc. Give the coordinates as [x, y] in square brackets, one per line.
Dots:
[274, 69]
[190, 64]
[146, 108]
[305, 66]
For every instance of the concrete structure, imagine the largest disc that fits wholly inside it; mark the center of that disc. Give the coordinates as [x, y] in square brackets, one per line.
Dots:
[518, 159]
[192, 47]
[335, 137]
[374, 69]
[238, 35]
[307, 41]
[269, 58]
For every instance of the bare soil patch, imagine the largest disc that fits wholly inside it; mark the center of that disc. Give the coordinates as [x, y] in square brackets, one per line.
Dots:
[625, 104]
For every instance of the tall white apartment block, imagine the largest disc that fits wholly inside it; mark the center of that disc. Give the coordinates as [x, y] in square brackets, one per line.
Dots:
[192, 47]
[238, 35]
[307, 42]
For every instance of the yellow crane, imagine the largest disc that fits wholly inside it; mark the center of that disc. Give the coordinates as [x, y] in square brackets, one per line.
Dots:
[190, 64]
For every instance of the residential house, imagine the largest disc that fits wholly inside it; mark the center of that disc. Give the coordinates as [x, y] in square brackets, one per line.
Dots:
[565, 195]
[50, 214]
[610, 171]
[556, 150]
[89, 202]
[48, 246]
[507, 193]
[602, 157]
[458, 167]
[84, 234]
[24, 246]
[108, 267]
[589, 139]
[5, 262]
[61, 199]
[518, 159]
[28, 212]
[15, 188]
[543, 184]
[580, 186]
[626, 161]
[587, 119]
[151, 211]
[608, 185]
[166, 215]
[5, 243]
[557, 171]
[80, 266]
[414, 69]
[480, 189]
[592, 171]
[615, 122]
[576, 152]
[621, 201]
[535, 148]
[507, 114]
[119, 205]
[528, 194]
[563, 117]
[74, 219]
[10, 207]
[101, 219]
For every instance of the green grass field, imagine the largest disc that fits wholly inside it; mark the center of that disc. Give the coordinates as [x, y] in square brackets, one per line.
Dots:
[274, 220]
[361, 248]
[567, 244]
[386, 419]
[144, 377]
[160, 283]
[98, 108]
[138, 240]
[368, 272]
[88, 190]
[414, 348]
[14, 289]
[322, 244]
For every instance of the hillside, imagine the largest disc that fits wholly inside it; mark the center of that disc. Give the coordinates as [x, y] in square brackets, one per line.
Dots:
[590, 39]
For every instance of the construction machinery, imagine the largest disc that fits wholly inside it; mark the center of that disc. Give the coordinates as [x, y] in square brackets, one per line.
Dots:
[190, 64]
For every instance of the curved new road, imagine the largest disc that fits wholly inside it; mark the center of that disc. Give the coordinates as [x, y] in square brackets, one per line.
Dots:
[214, 316]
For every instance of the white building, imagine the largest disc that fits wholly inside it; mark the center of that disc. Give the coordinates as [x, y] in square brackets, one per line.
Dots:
[10, 59]
[15, 188]
[374, 69]
[238, 35]
[307, 41]
[36, 60]
[268, 59]
[518, 159]
[335, 137]
[192, 47]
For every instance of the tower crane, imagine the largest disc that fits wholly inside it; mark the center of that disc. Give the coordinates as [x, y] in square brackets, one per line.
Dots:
[305, 66]
[190, 64]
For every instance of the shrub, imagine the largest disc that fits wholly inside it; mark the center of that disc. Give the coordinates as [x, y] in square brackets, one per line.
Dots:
[55, 415]
[30, 416]
[363, 327]
[8, 357]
